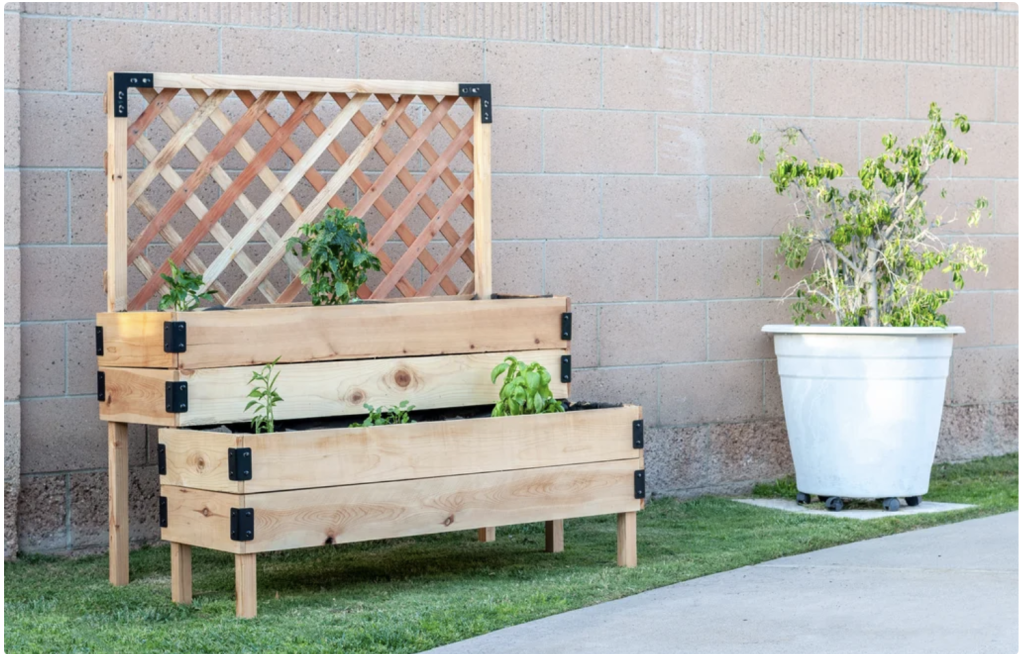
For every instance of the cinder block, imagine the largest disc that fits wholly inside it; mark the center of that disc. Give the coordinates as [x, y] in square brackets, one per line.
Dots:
[954, 209]
[42, 510]
[546, 206]
[12, 207]
[62, 282]
[619, 385]
[12, 363]
[389, 57]
[11, 490]
[585, 343]
[523, 21]
[956, 89]
[654, 206]
[256, 51]
[601, 271]
[963, 433]
[536, 75]
[1005, 428]
[974, 312]
[750, 451]
[81, 357]
[714, 26]
[12, 51]
[608, 23]
[386, 17]
[1004, 318]
[12, 129]
[1007, 95]
[812, 29]
[991, 149]
[872, 131]
[62, 130]
[579, 142]
[1005, 212]
[697, 393]
[756, 84]
[89, 510]
[12, 282]
[708, 269]
[984, 375]
[859, 89]
[1001, 255]
[44, 198]
[734, 328]
[88, 211]
[833, 139]
[660, 332]
[88, 9]
[773, 406]
[902, 33]
[517, 141]
[656, 80]
[98, 47]
[518, 267]
[49, 426]
[251, 14]
[42, 359]
[12, 441]
[998, 46]
[44, 44]
[749, 206]
[675, 458]
[706, 145]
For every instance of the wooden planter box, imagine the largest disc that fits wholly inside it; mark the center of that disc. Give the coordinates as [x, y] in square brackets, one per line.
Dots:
[244, 493]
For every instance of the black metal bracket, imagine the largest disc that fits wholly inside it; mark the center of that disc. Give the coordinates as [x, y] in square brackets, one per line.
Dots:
[239, 463]
[566, 369]
[175, 336]
[243, 524]
[639, 486]
[638, 434]
[99, 341]
[176, 397]
[101, 386]
[161, 458]
[482, 91]
[567, 326]
[163, 511]
[122, 82]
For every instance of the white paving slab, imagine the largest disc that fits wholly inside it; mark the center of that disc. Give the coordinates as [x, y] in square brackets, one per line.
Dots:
[854, 514]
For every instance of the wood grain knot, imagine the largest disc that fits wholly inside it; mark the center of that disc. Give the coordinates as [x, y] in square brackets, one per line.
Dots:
[200, 463]
[449, 520]
[205, 512]
[357, 397]
[403, 378]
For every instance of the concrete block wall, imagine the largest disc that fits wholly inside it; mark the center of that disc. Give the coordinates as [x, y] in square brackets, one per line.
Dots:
[621, 178]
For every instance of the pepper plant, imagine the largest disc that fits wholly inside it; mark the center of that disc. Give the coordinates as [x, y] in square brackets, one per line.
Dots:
[265, 398]
[338, 259]
[184, 292]
[873, 244]
[525, 389]
[395, 415]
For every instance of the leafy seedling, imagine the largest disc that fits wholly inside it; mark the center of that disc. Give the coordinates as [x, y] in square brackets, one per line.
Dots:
[338, 258]
[265, 398]
[184, 292]
[394, 415]
[525, 390]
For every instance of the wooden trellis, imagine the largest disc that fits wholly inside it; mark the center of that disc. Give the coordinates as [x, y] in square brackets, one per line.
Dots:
[413, 156]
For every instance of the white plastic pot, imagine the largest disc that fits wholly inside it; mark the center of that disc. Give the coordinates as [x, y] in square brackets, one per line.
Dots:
[863, 406]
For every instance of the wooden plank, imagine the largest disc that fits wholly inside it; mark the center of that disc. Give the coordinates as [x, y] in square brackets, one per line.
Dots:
[322, 84]
[339, 388]
[245, 585]
[346, 514]
[626, 532]
[117, 471]
[116, 279]
[482, 201]
[554, 536]
[181, 573]
[200, 518]
[137, 395]
[135, 339]
[335, 457]
[486, 534]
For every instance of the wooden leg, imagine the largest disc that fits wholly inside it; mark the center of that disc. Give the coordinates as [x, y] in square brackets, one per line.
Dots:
[245, 585]
[117, 470]
[485, 534]
[627, 539]
[181, 573]
[554, 536]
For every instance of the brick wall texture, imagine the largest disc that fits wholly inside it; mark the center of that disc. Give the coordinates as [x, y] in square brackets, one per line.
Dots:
[621, 178]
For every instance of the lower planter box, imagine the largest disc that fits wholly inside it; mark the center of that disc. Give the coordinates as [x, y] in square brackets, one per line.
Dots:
[244, 493]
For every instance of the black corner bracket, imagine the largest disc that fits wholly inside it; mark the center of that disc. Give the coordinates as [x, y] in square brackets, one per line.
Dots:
[638, 434]
[482, 91]
[99, 341]
[239, 463]
[163, 511]
[101, 386]
[175, 336]
[176, 397]
[567, 326]
[639, 485]
[122, 81]
[566, 369]
[243, 524]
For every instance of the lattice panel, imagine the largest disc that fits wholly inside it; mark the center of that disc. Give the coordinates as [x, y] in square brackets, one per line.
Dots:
[219, 174]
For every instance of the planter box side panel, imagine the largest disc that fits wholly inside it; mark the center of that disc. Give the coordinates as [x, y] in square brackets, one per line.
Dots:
[201, 518]
[137, 395]
[333, 457]
[134, 339]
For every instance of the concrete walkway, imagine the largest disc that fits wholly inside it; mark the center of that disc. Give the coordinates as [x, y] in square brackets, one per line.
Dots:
[947, 589]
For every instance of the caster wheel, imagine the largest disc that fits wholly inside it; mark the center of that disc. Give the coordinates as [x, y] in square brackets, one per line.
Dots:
[823, 498]
[891, 504]
[913, 501]
[802, 498]
[834, 504]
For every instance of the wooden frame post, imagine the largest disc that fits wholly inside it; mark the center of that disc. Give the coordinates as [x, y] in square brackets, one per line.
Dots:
[117, 471]
[245, 585]
[554, 536]
[181, 573]
[627, 539]
[486, 534]
[482, 199]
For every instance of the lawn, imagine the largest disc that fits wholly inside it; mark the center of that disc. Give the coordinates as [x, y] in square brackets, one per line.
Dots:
[412, 594]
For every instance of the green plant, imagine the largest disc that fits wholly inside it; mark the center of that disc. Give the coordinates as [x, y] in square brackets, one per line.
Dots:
[525, 389]
[184, 292]
[265, 398]
[338, 258]
[395, 415]
[874, 244]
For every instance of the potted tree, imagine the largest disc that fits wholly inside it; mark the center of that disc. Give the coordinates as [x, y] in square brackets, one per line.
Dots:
[863, 368]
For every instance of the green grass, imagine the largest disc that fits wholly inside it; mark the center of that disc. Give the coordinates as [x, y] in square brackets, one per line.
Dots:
[411, 594]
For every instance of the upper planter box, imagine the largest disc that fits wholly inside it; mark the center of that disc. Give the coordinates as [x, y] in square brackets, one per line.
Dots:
[193, 368]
